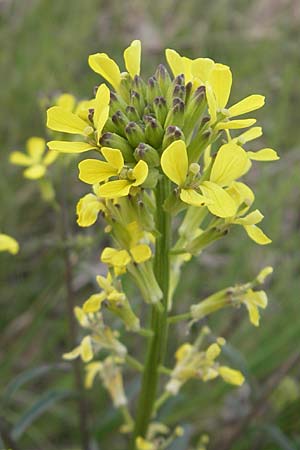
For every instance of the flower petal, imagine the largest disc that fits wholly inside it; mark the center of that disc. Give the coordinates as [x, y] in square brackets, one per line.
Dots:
[192, 197]
[235, 124]
[201, 68]
[36, 147]
[257, 235]
[93, 171]
[265, 154]
[231, 376]
[221, 81]
[35, 172]
[20, 159]
[8, 244]
[231, 163]
[249, 135]
[115, 189]
[66, 101]
[141, 253]
[101, 109]
[50, 157]
[174, 162]
[59, 119]
[114, 157]
[93, 303]
[132, 58]
[222, 205]
[212, 103]
[251, 219]
[175, 62]
[70, 147]
[87, 210]
[250, 103]
[140, 173]
[106, 67]
[86, 349]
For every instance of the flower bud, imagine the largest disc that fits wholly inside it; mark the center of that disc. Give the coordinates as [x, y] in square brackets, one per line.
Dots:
[153, 89]
[120, 121]
[134, 134]
[132, 114]
[172, 134]
[160, 109]
[204, 239]
[113, 140]
[154, 131]
[116, 103]
[137, 101]
[163, 78]
[148, 154]
[176, 114]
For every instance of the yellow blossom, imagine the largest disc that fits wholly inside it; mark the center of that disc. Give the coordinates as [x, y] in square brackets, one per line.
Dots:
[93, 171]
[88, 208]
[174, 163]
[102, 64]
[8, 244]
[35, 160]
[61, 119]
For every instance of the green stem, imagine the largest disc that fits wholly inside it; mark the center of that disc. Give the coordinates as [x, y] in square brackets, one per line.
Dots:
[179, 317]
[157, 344]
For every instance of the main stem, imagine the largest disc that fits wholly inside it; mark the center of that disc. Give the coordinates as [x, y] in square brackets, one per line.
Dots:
[157, 344]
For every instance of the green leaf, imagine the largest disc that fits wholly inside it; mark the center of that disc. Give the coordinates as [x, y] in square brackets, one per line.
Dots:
[278, 437]
[46, 402]
[27, 376]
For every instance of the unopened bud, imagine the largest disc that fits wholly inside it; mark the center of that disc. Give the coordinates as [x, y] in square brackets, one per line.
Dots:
[120, 121]
[160, 109]
[139, 85]
[194, 168]
[153, 132]
[137, 101]
[132, 113]
[116, 103]
[153, 89]
[148, 154]
[113, 140]
[172, 134]
[176, 114]
[134, 133]
[163, 78]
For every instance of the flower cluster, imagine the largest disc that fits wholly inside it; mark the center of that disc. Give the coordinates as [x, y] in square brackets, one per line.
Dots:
[163, 147]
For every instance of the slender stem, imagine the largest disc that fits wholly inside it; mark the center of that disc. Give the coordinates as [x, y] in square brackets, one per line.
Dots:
[179, 317]
[157, 345]
[70, 304]
[134, 363]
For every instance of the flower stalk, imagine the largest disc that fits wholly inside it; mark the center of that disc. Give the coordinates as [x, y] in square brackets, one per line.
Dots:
[159, 325]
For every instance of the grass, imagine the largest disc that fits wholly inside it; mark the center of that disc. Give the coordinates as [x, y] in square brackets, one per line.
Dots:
[45, 51]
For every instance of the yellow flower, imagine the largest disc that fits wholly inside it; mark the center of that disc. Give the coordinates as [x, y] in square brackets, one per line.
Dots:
[84, 350]
[93, 171]
[230, 163]
[61, 119]
[218, 89]
[191, 362]
[35, 160]
[174, 163]
[254, 300]
[102, 64]
[8, 244]
[88, 208]
[244, 196]
[119, 259]
[143, 444]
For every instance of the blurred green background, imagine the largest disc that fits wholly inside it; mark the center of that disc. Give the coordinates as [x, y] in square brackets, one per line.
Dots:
[45, 45]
